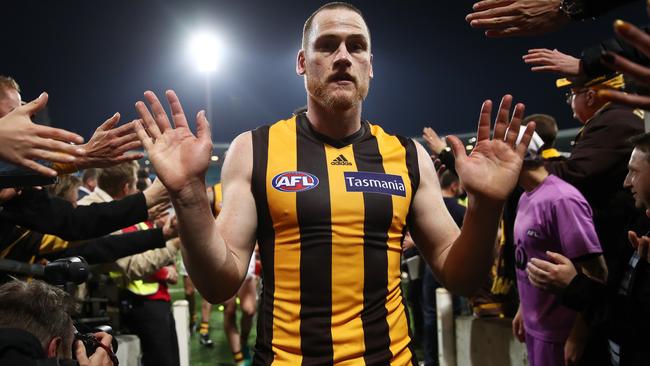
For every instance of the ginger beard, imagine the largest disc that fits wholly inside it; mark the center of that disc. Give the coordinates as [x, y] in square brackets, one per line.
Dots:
[331, 95]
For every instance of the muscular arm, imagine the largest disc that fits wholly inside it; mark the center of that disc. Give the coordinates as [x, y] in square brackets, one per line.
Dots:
[222, 249]
[460, 259]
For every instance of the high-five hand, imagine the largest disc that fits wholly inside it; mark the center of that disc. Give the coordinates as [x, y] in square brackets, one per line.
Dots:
[641, 73]
[492, 169]
[179, 157]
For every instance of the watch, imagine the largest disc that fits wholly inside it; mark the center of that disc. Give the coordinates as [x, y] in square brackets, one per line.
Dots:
[574, 9]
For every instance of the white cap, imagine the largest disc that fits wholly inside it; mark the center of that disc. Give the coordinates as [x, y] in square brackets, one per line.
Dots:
[535, 144]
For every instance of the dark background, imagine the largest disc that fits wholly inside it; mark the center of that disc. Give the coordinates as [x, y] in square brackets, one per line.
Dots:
[431, 68]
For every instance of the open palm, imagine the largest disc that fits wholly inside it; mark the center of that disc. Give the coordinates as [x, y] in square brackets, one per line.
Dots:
[179, 157]
[492, 169]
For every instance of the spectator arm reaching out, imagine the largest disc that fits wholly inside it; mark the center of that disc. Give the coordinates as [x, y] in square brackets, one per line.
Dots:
[504, 18]
[641, 40]
[108, 145]
[545, 60]
[22, 141]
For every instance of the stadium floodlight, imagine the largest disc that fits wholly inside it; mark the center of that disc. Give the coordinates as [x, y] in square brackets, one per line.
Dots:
[205, 50]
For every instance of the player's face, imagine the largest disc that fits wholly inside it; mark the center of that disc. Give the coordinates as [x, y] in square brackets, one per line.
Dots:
[337, 63]
[638, 178]
[9, 101]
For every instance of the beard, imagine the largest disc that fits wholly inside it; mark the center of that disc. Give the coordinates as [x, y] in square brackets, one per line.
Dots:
[341, 99]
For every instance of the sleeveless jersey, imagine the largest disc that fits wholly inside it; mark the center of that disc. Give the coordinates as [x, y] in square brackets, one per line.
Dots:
[217, 199]
[331, 220]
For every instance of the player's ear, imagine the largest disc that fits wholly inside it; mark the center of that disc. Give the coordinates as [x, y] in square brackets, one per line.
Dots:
[300, 63]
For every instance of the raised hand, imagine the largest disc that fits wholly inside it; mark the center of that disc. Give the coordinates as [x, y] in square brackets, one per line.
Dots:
[179, 157]
[435, 143]
[22, 141]
[504, 18]
[641, 41]
[554, 275]
[108, 144]
[492, 169]
[543, 59]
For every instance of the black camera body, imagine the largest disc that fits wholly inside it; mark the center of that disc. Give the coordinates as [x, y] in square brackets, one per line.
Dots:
[91, 344]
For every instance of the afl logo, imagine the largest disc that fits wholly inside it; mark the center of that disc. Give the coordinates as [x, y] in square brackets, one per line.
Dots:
[294, 182]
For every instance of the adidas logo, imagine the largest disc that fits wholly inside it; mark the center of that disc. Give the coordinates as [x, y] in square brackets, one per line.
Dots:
[340, 160]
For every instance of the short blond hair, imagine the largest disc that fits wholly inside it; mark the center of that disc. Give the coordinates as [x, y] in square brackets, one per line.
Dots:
[306, 29]
[8, 83]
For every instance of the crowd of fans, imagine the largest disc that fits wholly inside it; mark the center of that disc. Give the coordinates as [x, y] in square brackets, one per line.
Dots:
[571, 259]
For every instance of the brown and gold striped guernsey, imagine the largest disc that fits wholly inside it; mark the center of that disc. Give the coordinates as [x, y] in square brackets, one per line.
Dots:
[332, 215]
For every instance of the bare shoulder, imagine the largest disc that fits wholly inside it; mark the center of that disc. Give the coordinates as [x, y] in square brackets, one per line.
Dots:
[422, 152]
[427, 170]
[238, 162]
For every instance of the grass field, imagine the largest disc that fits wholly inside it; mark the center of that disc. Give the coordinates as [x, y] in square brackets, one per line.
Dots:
[219, 354]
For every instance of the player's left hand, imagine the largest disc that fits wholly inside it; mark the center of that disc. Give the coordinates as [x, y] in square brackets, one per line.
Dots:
[491, 171]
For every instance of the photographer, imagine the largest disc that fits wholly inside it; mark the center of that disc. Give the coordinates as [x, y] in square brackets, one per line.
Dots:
[36, 328]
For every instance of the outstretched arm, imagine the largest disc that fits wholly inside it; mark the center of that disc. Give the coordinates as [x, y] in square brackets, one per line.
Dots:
[641, 73]
[545, 60]
[504, 18]
[461, 259]
[216, 253]
[22, 142]
[108, 145]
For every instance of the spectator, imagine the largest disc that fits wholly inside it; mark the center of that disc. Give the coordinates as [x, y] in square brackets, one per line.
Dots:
[619, 308]
[552, 216]
[106, 147]
[36, 327]
[144, 276]
[67, 187]
[21, 244]
[116, 183]
[88, 182]
[596, 166]
[22, 142]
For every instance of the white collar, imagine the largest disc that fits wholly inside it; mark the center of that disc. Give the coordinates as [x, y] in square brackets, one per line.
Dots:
[102, 195]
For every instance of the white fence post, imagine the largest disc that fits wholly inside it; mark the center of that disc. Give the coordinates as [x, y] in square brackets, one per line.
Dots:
[446, 334]
[182, 320]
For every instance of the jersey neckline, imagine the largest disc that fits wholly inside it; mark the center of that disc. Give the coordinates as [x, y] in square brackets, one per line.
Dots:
[306, 127]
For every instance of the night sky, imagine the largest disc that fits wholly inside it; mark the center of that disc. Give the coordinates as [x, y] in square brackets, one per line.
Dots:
[431, 68]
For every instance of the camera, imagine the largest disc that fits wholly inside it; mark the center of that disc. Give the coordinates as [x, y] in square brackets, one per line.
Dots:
[91, 344]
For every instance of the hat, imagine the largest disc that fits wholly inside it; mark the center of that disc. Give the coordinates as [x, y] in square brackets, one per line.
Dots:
[610, 81]
[534, 147]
